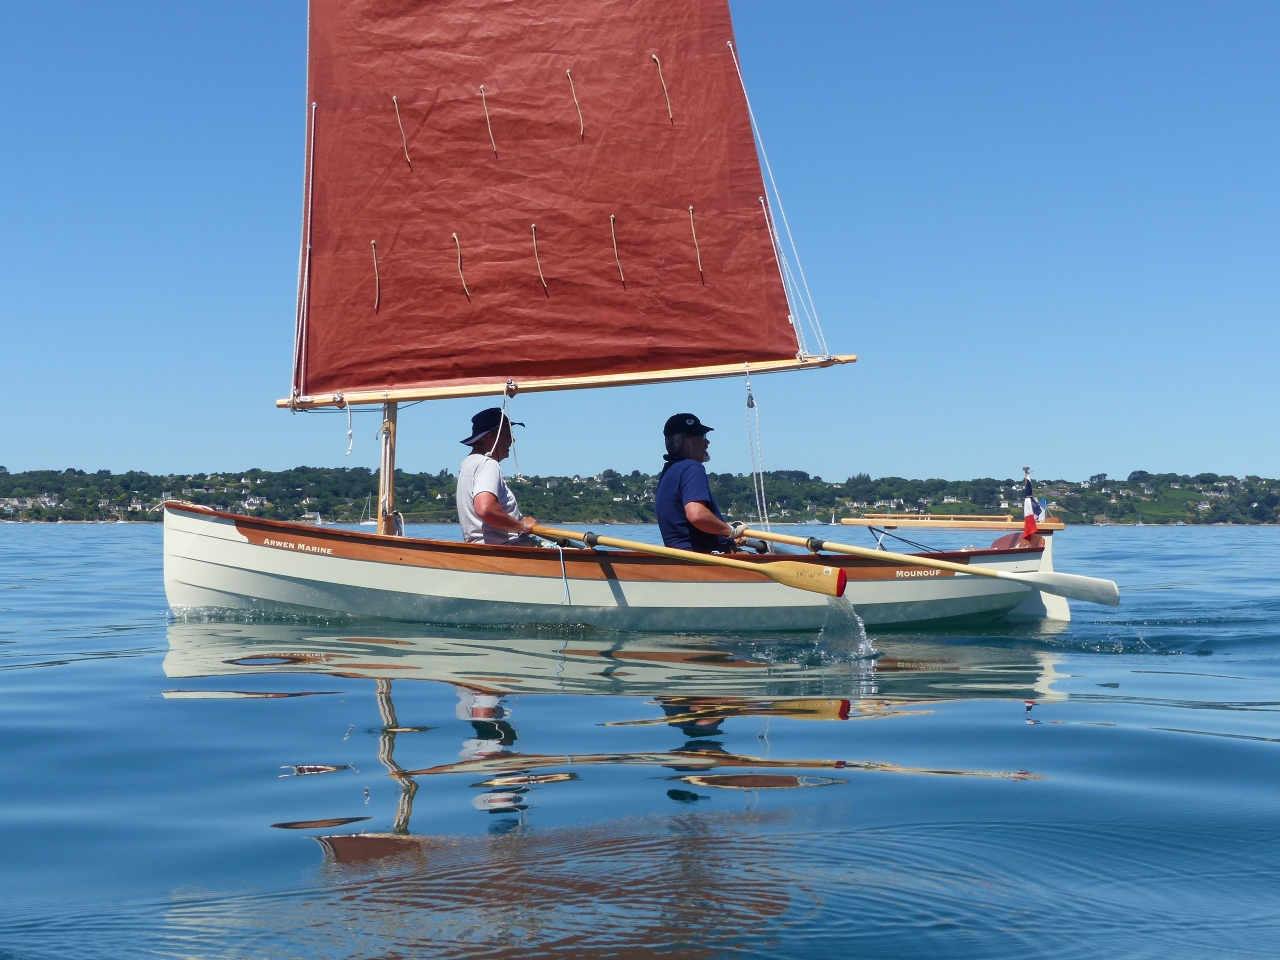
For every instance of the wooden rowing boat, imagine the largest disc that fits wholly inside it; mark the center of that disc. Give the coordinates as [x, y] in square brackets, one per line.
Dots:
[221, 560]
[562, 200]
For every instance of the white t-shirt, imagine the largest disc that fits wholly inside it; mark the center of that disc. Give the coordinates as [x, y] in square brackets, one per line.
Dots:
[483, 474]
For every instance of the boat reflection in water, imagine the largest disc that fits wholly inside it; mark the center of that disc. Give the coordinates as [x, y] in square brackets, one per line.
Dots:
[693, 688]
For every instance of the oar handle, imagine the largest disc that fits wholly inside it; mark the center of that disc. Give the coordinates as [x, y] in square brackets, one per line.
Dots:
[594, 539]
[829, 581]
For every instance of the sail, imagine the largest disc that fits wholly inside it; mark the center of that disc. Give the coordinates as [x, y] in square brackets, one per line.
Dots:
[501, 190]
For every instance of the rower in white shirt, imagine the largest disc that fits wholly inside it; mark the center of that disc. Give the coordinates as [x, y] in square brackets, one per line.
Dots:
[487, 510]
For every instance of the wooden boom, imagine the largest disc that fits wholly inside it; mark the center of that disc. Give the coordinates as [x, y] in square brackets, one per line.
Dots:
[497, 388]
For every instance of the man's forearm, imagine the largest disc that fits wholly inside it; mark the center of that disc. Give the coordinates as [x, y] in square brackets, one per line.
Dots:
[490, 511]
[701, 517]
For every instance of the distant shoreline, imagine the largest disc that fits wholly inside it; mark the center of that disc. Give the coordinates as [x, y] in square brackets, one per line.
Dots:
[346, 495]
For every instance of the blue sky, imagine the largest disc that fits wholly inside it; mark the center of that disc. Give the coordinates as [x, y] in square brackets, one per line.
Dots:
[1050, 232]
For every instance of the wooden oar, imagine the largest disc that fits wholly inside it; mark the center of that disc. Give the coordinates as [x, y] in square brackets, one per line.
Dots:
[1070, 585]
[829, 581]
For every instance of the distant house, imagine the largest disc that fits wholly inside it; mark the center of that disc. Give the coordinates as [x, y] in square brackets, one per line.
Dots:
[135, 505]
[312, 517]
[104, 503]
[1175, 486]
[551, 483]
[166, 494]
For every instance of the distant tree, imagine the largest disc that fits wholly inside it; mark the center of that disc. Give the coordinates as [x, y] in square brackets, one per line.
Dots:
[1139, 476]
[1098, 478]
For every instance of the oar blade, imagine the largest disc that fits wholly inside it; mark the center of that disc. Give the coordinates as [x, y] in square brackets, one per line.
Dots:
[829, 581]
[1089, 589]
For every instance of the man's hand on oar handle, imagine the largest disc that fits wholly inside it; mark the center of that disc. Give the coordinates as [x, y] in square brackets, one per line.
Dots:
[489, 510]
[803, 575]
[1089, 589]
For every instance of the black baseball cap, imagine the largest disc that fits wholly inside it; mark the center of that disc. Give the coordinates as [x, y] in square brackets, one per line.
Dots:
[486, 421]
[685, 423]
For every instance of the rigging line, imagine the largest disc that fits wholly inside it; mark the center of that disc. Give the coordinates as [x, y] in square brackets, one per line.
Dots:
[795, 293]
[694, 231]
[582, 126]
[350, 432]
[751, 447]
[506, 412]
[670, 116]
[794, 298]
[757, 454]
[784, 272]
[464, 279]
[377, 280]
[537, 259]
[564, 577]
[920, 546]
[403, 139]
[760, 448]
[768, 169]
[616, 259]
[304, 273]
[493, 143]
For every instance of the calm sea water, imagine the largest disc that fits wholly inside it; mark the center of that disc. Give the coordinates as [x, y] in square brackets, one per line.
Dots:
[1109, 787]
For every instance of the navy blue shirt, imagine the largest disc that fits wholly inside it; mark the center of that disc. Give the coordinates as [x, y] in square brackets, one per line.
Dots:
[685, 481]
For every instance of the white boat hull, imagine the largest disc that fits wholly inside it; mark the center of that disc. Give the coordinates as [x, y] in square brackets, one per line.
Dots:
[217, 560]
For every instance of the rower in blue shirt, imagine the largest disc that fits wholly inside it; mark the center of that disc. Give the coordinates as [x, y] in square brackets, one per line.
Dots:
[687, 513]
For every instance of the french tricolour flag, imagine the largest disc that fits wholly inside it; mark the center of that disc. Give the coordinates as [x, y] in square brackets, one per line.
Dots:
[1032, 511]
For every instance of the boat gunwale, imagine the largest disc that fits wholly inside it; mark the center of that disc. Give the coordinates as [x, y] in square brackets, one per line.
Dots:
[504, 551]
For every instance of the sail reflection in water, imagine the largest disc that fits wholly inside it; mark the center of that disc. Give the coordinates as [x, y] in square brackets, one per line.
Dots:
[688, 688]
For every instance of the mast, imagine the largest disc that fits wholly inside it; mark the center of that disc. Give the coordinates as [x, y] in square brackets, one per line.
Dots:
[387, 519]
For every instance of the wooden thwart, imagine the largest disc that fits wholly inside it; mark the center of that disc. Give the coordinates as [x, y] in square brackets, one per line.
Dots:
[948, 522]
[498, 387]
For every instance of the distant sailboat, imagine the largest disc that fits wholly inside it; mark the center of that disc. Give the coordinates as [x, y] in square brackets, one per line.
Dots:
[366, 517]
